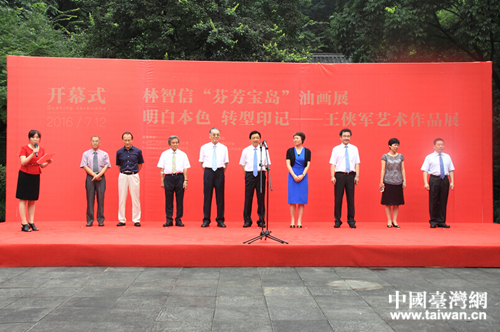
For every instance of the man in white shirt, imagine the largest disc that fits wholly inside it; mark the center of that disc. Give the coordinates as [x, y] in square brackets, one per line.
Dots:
[441, 170]
[344, 175]
[253, 168]
[173, 166]
[214, 158]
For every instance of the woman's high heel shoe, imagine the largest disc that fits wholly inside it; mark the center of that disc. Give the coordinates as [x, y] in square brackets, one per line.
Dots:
[299, 226]
[292, 226]
[33, 227]
[393, 224]
[25, 228]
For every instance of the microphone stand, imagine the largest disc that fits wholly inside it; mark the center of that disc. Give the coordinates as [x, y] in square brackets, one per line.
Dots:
[265, 234]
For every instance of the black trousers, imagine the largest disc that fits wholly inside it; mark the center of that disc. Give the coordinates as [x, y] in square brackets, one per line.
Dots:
[95, 188]
[174, 185]
[213, 180]
[345, 182]
[252, 184]
[438, 199]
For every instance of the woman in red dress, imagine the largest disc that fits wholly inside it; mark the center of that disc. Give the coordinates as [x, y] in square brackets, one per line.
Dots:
[28, 182]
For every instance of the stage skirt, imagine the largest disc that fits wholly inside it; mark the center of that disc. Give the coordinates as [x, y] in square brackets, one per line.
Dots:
[28, 186]
[393, 195]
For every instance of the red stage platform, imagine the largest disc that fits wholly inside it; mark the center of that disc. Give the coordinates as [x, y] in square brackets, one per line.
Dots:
[318, 244]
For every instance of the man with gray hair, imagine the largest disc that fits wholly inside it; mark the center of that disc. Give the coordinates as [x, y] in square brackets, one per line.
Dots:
[95, 162]
[173, 166]
[214, 158]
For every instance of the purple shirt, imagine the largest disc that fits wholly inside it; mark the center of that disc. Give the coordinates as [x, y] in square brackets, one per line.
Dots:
[88, 159]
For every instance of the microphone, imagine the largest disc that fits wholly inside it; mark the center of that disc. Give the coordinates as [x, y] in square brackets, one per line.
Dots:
[265, 144]
[36, 153]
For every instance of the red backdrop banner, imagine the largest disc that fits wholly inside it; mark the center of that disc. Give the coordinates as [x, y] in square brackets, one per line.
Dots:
[70, 100]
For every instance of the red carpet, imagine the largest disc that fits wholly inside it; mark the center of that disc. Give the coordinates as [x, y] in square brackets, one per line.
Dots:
[319, 244]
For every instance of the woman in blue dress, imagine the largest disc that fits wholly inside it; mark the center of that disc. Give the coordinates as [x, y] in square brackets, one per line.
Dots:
[298, 160]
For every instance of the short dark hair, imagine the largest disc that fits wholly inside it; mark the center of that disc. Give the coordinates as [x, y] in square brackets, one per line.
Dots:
[253, 133]
[345, 130]
[34, 132]
[210, 131]
[172, 138]
[393, 141]
[128, 133]
[301, 135]
[437, 140]
[95, 137]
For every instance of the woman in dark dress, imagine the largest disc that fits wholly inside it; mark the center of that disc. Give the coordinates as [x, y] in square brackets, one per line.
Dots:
[298, 160]
[28, 182]
[392, 182]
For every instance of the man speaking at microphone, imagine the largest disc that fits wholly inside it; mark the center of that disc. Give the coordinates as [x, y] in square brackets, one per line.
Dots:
[253, 166]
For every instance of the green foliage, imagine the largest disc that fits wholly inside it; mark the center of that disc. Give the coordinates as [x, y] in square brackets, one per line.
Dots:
[227, 30]
[419, 31]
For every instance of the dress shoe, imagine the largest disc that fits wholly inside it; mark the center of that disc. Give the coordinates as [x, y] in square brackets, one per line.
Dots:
[179, 224]
[137, 224]
[443, 226]
[168, 224]
[33, 227]
[261, 224]
[221, 225]
[299, 226]
[352, 226]
[247, 224]
[336, 226]
[89, 223]
[395, 225]
[25, 228]
[433, 226]
[205, 224]
[121, 224]
[292, 226]
[101, 223]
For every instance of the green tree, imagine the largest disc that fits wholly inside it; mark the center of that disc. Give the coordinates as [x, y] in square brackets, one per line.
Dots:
[419, 30]
[425, 30]
[229, 30]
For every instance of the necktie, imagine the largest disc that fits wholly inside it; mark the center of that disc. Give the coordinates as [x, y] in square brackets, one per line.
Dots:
[95, 165]
[347, 163]
[441, 166]
[214, 160]
[174, 168]
[255, 162]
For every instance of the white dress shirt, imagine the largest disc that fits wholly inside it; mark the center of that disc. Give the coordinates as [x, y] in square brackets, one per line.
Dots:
[247, 158]
[432, 165]
[206, 153]
[181, 161]
[338, 157]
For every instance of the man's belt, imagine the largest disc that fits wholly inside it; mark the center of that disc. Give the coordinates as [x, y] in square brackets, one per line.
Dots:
[129, 172]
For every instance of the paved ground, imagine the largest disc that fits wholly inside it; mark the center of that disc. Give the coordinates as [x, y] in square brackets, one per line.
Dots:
[241, 299]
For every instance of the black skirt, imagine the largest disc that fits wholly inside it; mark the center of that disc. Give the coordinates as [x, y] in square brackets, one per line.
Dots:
[28, 186]
[393, 195]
